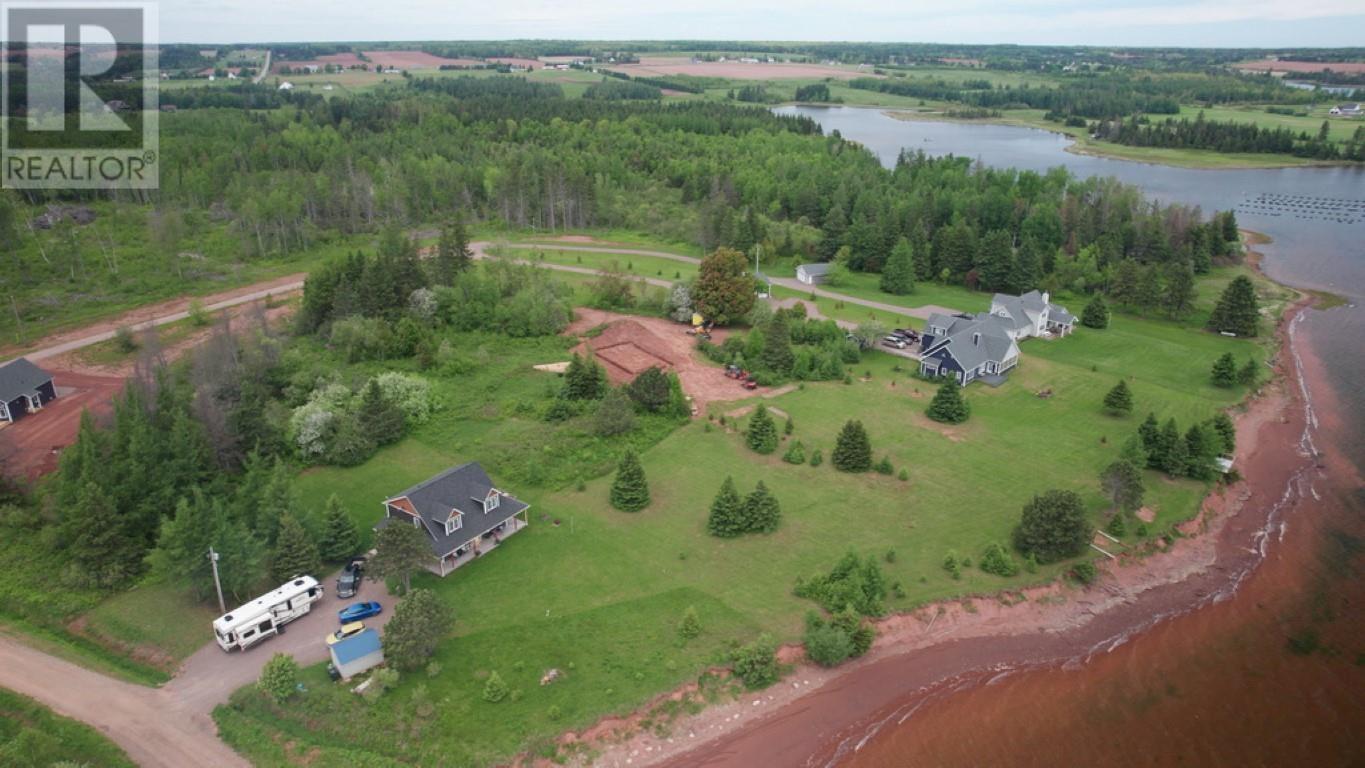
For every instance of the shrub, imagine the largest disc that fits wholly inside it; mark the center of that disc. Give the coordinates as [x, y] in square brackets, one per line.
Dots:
[1224, 371]
[650, 390]
[827, 646]
[279, 677]
[433, 669]
[952, 565]
[853, 583]
[884, 466]
[997, 561]
[494, 689]
[614, 415]
[755, 664]
[796, 453]
[904, 475]
[124, 340]
[199, 317]
[817, 457]
[1085, 572]
[419, 623]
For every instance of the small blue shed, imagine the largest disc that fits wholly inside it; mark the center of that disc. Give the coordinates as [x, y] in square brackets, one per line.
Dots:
[357, 653]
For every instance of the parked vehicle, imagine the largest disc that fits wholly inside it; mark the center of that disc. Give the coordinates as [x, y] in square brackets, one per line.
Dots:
[906, 333]
[346, 631]
[895, 341]
[358, 611]
[348, 583]
[734, 371]
[750, 383]
[266, 615]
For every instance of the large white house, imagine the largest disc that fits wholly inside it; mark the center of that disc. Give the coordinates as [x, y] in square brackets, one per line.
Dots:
[1031, 315]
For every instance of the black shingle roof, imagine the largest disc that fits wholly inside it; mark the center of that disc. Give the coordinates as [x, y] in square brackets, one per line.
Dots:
[460, 488]
[20, 377]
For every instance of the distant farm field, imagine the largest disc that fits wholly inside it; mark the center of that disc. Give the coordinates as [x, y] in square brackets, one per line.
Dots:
[736, 70]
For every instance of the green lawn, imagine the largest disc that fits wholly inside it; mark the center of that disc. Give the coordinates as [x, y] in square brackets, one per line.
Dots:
[159, 624]
[640, 266]
[602, 590]
[33, 736]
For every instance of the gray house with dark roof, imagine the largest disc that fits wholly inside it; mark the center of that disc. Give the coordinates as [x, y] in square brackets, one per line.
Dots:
[1031, 315]
[967, 347]
[462, 513]
[813, 274]
[24, 388]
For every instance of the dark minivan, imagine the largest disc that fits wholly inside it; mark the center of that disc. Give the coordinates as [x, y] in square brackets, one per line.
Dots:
[348, 584]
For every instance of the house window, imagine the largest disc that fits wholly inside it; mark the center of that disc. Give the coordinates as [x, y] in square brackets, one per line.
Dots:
[453, 524]
[491, 501]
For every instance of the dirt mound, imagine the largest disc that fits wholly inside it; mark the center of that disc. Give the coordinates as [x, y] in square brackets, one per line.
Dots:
[629, 345]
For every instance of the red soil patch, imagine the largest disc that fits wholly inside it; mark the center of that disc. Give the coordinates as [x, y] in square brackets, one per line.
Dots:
[416, 60]
[630, 345]
[735, 70]
[1270, 65]
[32, 445]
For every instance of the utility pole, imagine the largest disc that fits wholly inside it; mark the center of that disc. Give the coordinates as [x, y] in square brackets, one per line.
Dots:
[213, 559]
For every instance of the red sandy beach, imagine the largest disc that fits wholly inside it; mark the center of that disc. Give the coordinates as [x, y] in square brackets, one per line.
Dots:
[816, 716]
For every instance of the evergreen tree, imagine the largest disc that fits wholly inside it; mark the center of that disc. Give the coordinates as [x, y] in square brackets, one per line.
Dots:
[277, 500]
[1119, 401]
[1174, 454]
[1180, 293]
[761, 510]
[295, 554]
[898, 276]
[1226, 431]
[796, 453]
[1134, 451]
[1236, 311]
[379, 418]
[630, 490]
[727, 512]
[690, 626]
[852, 449]
[340, 539]
[1201, 448]
[948, 405]
[1121, 482]
[777, 348]
[1224, 371]
[1028, 266]
[453, 254]
[995, 261]
[1249, 372]
[494, 689]
[761, 436]
[101, 553]
[419, 623]
[584, 379]
[1150, 434]
[1053, 526]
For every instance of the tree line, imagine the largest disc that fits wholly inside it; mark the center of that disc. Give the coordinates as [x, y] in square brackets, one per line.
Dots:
[1230, 136]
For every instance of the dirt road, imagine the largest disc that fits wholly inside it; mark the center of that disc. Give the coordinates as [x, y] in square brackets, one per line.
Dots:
[172, 727]
[147, 723]
[154, 315]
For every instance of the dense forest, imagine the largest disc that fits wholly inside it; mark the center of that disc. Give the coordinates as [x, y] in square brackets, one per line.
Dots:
[1229, 137]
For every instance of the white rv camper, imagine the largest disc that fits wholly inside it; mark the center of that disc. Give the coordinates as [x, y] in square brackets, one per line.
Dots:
[263, 617]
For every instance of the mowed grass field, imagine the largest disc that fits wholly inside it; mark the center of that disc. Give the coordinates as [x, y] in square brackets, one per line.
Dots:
[33, 736]
[598, 593]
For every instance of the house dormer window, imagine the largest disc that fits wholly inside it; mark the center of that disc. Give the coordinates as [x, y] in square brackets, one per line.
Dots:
[453, 523]
[491, 501]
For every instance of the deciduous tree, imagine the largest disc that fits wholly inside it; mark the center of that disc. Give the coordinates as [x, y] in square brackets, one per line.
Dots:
[401, 549]
[724, 291]
[1121, 482]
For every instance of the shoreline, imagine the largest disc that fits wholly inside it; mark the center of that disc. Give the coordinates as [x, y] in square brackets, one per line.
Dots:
[954, 644]
[1080, 146]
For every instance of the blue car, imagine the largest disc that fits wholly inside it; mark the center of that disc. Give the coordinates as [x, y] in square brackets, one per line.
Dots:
[358, 611]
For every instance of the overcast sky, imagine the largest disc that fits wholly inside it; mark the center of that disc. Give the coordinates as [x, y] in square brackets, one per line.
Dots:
[1210, 23]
